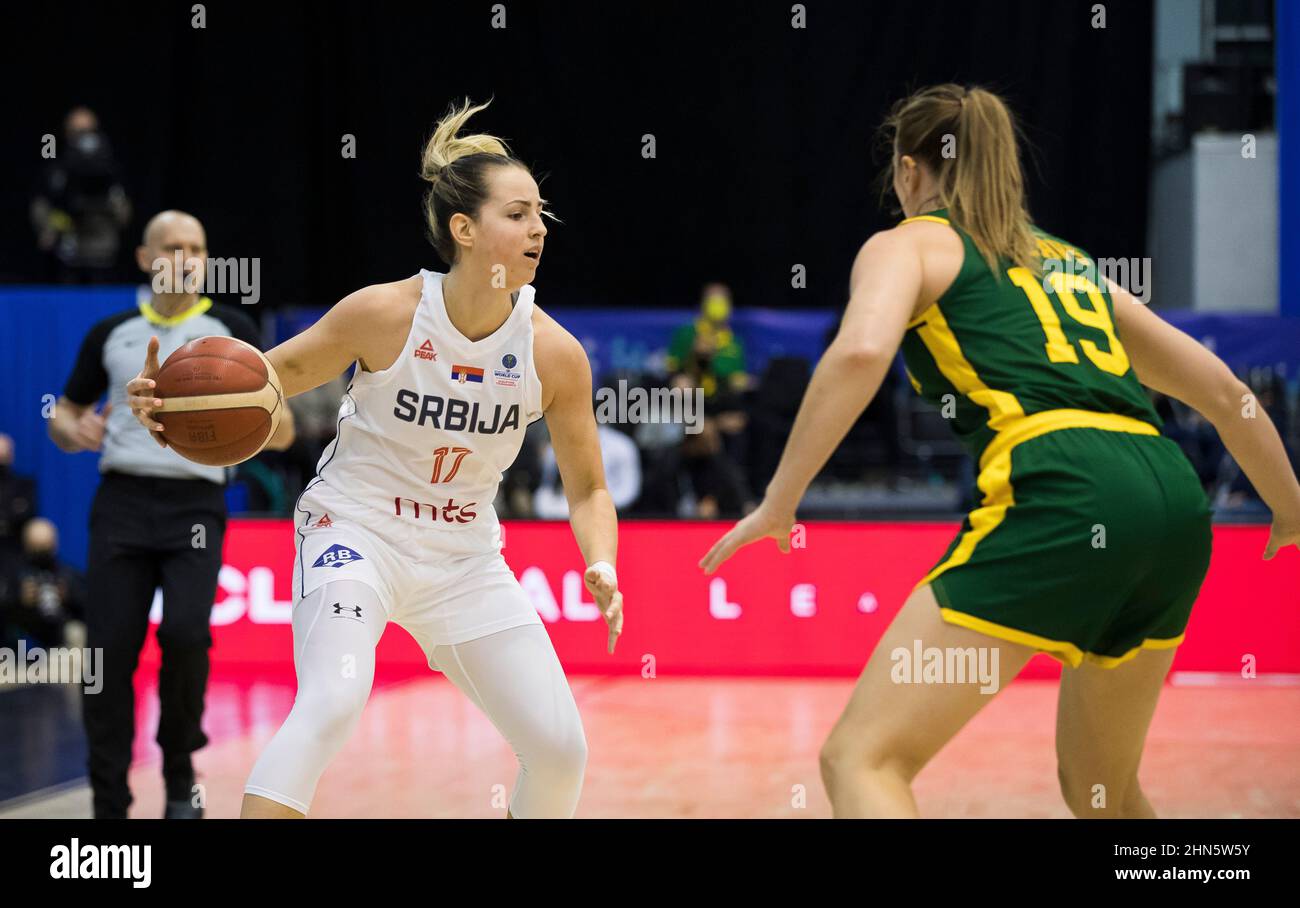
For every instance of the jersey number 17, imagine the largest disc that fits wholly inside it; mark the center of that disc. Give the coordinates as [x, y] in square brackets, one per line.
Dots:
[439, 455]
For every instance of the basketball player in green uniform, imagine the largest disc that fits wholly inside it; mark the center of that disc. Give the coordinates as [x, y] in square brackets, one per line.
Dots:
[1091, 536]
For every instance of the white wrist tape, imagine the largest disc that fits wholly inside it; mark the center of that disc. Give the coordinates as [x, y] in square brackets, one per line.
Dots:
[607, 569]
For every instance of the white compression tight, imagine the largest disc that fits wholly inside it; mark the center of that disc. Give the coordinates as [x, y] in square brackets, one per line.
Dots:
[513, 676]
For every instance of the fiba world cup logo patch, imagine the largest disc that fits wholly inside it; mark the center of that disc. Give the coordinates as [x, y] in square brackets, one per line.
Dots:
[506, 376]
[337, 556]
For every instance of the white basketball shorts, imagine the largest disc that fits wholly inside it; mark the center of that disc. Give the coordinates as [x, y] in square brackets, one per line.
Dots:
[443, 586]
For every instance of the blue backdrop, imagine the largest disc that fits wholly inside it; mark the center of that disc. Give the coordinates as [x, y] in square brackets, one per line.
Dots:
[43, 329]
[1287, 49]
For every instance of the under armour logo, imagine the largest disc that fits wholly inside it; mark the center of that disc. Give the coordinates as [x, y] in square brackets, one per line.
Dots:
[339, 609]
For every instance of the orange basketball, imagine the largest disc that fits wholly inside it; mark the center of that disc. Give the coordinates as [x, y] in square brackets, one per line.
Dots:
[221, 401]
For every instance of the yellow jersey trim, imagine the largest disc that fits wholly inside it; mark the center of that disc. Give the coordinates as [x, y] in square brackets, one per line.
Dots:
[925, 217]
[994, 478]
[934, 218]
[1027, 427]
[1149, 643]
[995, 482]
[1061, 650]
[152, 315]
[940, 340]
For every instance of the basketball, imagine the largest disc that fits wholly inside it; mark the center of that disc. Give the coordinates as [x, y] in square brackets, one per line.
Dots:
[221, 401]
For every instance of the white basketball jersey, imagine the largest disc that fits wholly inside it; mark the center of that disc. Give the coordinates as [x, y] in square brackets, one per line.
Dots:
[425, 441]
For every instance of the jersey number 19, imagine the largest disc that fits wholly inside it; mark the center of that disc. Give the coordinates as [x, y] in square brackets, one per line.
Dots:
[1059, 348]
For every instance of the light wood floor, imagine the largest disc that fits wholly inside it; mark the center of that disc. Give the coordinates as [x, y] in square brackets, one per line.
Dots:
[725, 747]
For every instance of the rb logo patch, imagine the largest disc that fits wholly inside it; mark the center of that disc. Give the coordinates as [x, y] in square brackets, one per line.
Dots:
[337, 556]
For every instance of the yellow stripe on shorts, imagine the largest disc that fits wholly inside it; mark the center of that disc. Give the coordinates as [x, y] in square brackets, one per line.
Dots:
[995, 470]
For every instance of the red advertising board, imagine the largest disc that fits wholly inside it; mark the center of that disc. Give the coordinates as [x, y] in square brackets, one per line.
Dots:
[817, 611]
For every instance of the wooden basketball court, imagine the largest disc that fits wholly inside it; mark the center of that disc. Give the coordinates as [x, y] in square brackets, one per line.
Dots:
[706, 748]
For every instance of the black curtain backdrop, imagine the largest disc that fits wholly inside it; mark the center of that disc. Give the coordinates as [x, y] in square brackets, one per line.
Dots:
[763, 131]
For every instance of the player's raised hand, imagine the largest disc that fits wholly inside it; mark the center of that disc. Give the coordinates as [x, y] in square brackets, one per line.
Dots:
[608, 599]
[762, 522]
[140, 393]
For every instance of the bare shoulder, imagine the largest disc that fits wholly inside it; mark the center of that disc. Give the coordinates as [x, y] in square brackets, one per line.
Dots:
[553, 344]
[894, 241]
[926, 235]
[558, 355]
[933, 246]
[376, 320]
[388, 303]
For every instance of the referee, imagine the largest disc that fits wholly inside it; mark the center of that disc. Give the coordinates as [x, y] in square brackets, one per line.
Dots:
[157, 521]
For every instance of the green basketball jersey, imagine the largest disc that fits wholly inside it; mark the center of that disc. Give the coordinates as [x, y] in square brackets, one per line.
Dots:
[995, 350]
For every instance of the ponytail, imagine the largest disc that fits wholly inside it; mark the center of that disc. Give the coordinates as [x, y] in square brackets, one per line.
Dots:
[980, 180]
[456, 168]
[445, 146]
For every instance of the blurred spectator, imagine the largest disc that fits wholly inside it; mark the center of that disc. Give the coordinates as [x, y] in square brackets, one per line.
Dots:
[40, 597]
[80, 207]
[707, 350]
[706, 354]
[17, 501]
[660, 444]
[698, 477]
[622, 475]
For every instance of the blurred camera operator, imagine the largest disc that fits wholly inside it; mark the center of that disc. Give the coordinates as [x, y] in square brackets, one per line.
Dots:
[81, 208]
[41, 598]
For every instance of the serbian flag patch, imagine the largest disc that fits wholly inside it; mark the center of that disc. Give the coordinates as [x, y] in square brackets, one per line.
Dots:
[463, 374]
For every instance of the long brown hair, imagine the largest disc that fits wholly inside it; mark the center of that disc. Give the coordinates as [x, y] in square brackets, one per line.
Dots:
[981, 182]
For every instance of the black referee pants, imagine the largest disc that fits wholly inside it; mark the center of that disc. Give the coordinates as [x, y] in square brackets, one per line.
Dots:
[145, 533]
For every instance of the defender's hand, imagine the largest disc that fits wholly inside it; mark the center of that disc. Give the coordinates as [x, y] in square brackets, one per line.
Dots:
[762, 522]
[1282, 535]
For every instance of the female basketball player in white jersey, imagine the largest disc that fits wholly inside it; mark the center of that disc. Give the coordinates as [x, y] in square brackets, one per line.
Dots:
[398, 524]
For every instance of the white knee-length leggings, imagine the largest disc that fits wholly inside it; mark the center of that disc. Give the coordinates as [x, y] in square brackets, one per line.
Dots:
[512, 676]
